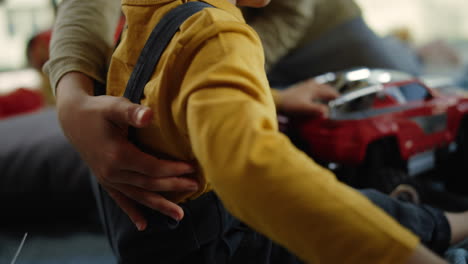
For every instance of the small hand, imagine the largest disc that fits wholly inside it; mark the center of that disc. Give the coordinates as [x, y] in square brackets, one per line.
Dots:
[304, 98]
[97, 126]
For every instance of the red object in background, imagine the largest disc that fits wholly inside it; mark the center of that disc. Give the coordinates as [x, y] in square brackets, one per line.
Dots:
[19, 102]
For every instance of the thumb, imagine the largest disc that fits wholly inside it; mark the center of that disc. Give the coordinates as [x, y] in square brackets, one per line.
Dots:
[123, 112]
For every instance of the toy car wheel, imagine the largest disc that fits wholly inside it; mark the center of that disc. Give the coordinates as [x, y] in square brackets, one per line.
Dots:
[457, 180]
[385, 179]
[462, 143]
[383, 168]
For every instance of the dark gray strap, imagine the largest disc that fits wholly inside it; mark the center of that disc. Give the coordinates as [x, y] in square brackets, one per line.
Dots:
[151, 53]
[155, 46]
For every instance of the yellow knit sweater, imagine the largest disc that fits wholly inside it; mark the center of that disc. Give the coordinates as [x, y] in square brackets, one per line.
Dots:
[213, 106]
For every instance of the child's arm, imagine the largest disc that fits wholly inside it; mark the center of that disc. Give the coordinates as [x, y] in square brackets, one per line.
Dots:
[265, 181]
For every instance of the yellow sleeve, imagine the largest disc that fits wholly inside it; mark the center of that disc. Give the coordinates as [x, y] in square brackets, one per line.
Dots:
[276, 96]
[262, 178]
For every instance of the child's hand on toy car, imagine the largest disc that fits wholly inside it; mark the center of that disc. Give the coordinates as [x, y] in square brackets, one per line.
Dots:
[305, 98]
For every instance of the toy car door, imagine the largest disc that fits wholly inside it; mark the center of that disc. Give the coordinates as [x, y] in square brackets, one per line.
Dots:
[424, 118]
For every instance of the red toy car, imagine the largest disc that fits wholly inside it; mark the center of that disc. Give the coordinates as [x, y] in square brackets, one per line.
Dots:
[389, 130]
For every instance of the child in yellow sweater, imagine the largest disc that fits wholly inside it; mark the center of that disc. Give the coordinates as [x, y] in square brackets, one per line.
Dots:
[213, 106]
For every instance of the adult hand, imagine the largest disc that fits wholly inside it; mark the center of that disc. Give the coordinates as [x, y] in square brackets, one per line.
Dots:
[97, 126]
[305, 98]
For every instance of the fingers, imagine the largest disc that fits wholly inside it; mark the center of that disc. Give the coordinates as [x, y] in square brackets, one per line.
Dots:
[133, 159]
[318, 93]
[152, 200]
[312, 108]
[129, 208]
[321, 91]
[168, 184]
[123, 112]
[326, 92]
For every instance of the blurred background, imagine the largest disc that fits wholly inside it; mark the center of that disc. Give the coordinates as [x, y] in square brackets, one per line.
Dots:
[431, 24]
[19, 21]
[425, 19]
[436, 30]
[419, 22]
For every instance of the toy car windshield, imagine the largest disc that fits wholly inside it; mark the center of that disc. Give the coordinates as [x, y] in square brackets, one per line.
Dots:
[351, 104]
[353, 79]
[375, 99]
